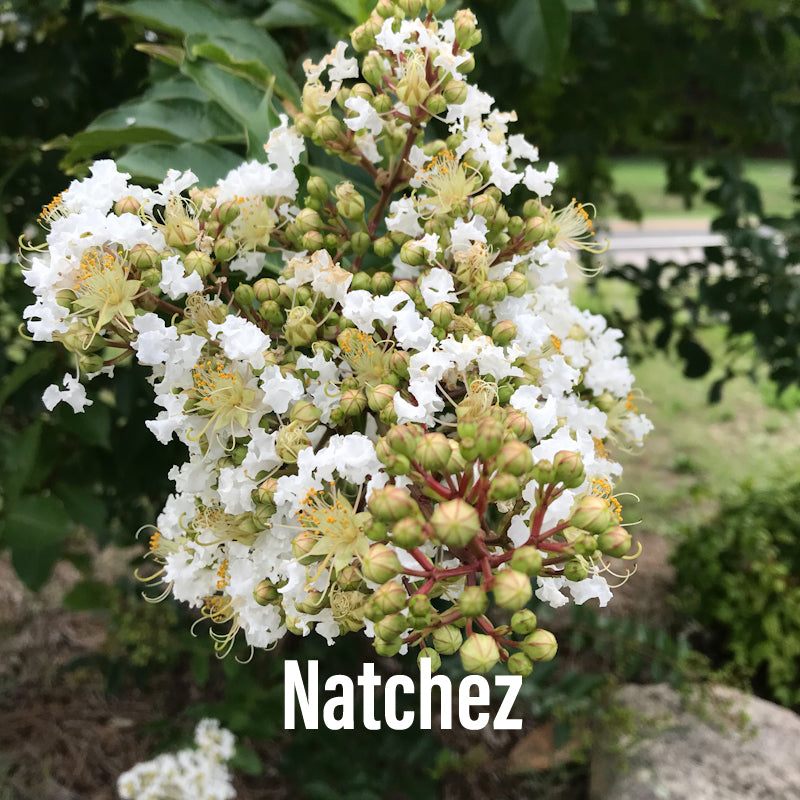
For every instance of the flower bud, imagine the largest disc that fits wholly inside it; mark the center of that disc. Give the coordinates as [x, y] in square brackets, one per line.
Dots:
[512, 589]
[504, 487]
[615, 542]
[467, 33]
[593, 514]
[379, 396]
[304, 124]
[387, 415]
[504, 332]
[360, 243]
[126, 205]
[520, 664]
[144, 257]
[413, 88]
[523, 621]
[456, 463]
[407, 533]
[308, 220]
[435, 6]
[266, 593]
[479, 653]
[446, 639]
[225, 249]
[349, 578]
[568, 469]
[380, 564]
[382, 283]
[455, 93]
[306, 413]
[576, 569]
[527, 560]
[403, 439]
[265, 493]
[328, 128]
[442, 314]
[376, 530]
[429, 652]
[540, 645]
[455, 523]
[181, 232]
[391, 503]
[300, 328]
[270, 311]
[302, 545]
[516, 284]
[244, 295]
[514, 457]
[519, 424]
[350, 204]
[583, 543]
[535, 229]
[433, 452]
[227, 212]
[391, 597]
[473, 601]
[490, 437]
[383, 247]
[390, 627]
[353, 402]
[384, 648]
[410, 8]
[413, 253]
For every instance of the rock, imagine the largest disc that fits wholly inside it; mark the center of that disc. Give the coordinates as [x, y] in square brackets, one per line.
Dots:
[537, 750]
[672, 754]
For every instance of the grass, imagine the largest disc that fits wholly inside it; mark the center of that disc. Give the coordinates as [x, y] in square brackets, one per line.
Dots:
[698, 452]
[646, 180]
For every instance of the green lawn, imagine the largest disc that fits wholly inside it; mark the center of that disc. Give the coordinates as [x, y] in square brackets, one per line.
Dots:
[646, 180]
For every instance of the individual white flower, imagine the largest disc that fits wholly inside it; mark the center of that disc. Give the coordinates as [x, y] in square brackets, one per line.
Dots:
[175, 283]
[366, 116]
[241, 339]
[437, 287]
[73, 393]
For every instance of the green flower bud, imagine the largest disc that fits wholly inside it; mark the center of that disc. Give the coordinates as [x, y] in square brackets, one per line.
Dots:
[413, 253]
[360, 243]
[473, 601]
[387, 649]
[144, 257]
[540, 645]
[306, 413]
[519, 424]
[520, 664]
[308, 220]
[302, 545]
[515, 226]
[328, 128]
[271, 312]
[410, 8]
[512, 589]
[353, 402]
[304, 124]
[181, 232]
[350, 204]
[407, 533]
[435, 6]
[362, 281]
[514, 457]
[313, 240]
[456, 463]
[380, 564]
[468, 447]
[391, 597]
[479, 653]
[225, 249]
[527, 560]
[490, 437]
[576, 569]
[523, 622]
[398, 363]
[126, 205]
[504, 487]
[390, 627]
[300, 328]
[504, 332]
[317, 187]
[593, 514]
[379, 396]
[403, 439]
[391, 503]
[387, 415]
[568, 469]
[265, 492]
[535, 229]
[382, 283]
[227, 212]
[433, 452]
[383, 247]
[244, 295]
[435, 104]
[583, 543]
[455, 523]
[266, 593]
[349, 578]
[429, 652]
[516, 284]
[615, 542]
[89, 363]
[372, 67]
[376, 531]
[455, 93]
[419, 605]
[446, 639]
[413, 88]
[442, 314]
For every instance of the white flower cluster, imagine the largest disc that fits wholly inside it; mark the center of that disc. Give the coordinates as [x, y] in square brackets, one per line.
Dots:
[198, 773]
[414, 405]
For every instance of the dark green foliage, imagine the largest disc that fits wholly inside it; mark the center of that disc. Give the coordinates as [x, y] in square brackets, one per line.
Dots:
[737, 577]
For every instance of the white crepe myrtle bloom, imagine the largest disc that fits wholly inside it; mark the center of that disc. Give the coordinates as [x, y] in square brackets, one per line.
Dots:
[390, 407]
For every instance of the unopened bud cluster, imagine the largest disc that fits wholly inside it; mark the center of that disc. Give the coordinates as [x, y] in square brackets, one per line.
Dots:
[395, 420]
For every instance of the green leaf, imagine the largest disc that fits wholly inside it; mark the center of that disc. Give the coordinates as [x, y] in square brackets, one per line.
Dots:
[33, 565]
[579, 6]
[247, 761]
[298, 14]
[150, 162]
[92, 426]
[36, 521]
[88, 596]
[537, 33]
[21, 461]
[37, 362]
[245, 102]
[234, 42]
[83, 506]
[356, 10]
